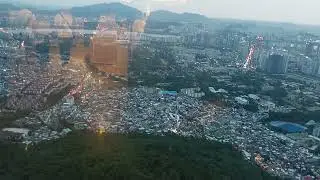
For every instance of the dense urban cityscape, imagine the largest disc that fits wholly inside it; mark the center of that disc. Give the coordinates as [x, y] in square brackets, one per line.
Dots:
[254, 85]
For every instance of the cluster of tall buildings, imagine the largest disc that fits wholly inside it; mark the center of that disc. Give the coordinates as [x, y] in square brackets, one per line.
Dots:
[281, 55]
[275, 62]
[282, 60]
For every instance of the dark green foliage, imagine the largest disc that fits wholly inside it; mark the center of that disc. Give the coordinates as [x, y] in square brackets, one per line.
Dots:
[277, 94]
[88, 156]
[160, 24]
[248, 79]
[153, 68]
[167, 16]
[4, 36]
[6, 118]
[199, 57]
[294, 116]
[252, 107]
[55, 97]
[91, 25]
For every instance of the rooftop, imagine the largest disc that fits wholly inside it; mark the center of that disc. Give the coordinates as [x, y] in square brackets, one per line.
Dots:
[288, 127]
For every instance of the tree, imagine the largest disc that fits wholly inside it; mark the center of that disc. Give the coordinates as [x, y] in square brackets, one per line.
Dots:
[133, 156]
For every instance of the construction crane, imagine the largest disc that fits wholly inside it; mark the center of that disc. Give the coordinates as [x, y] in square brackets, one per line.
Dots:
[252, 50]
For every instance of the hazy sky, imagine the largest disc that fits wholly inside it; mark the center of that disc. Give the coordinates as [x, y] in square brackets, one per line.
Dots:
[297, 11]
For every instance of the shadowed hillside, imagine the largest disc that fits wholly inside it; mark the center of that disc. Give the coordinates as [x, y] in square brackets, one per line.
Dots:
[88, 156]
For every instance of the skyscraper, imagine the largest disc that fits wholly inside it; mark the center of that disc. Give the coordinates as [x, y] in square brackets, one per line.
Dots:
[276, 64]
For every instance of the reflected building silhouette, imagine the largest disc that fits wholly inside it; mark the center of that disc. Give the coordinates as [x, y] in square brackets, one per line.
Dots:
[109, 54]
[139, 25]
[64, 20]
[137, 29]
[106, 23]
[107, 48]
[21, 18]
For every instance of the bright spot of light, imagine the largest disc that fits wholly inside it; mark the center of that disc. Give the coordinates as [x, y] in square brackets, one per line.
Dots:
[148, 11]
[101, 130]
[165, 1]
[127, 1]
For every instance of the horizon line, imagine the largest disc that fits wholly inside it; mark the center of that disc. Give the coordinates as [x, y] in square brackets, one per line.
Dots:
[61, 7]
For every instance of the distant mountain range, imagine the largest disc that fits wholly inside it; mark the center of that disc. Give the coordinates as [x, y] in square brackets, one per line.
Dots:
[117, 9]
[8, 7]
[121, 11]
[24, 5]
[176, 17]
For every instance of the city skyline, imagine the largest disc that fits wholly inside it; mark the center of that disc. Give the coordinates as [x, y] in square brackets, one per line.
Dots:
[299, 12]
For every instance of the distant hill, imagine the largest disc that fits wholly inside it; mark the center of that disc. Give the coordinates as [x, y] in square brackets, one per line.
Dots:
[5, 7]
[91, 11]
[117, 9]
[28, 4]
[167, 16]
